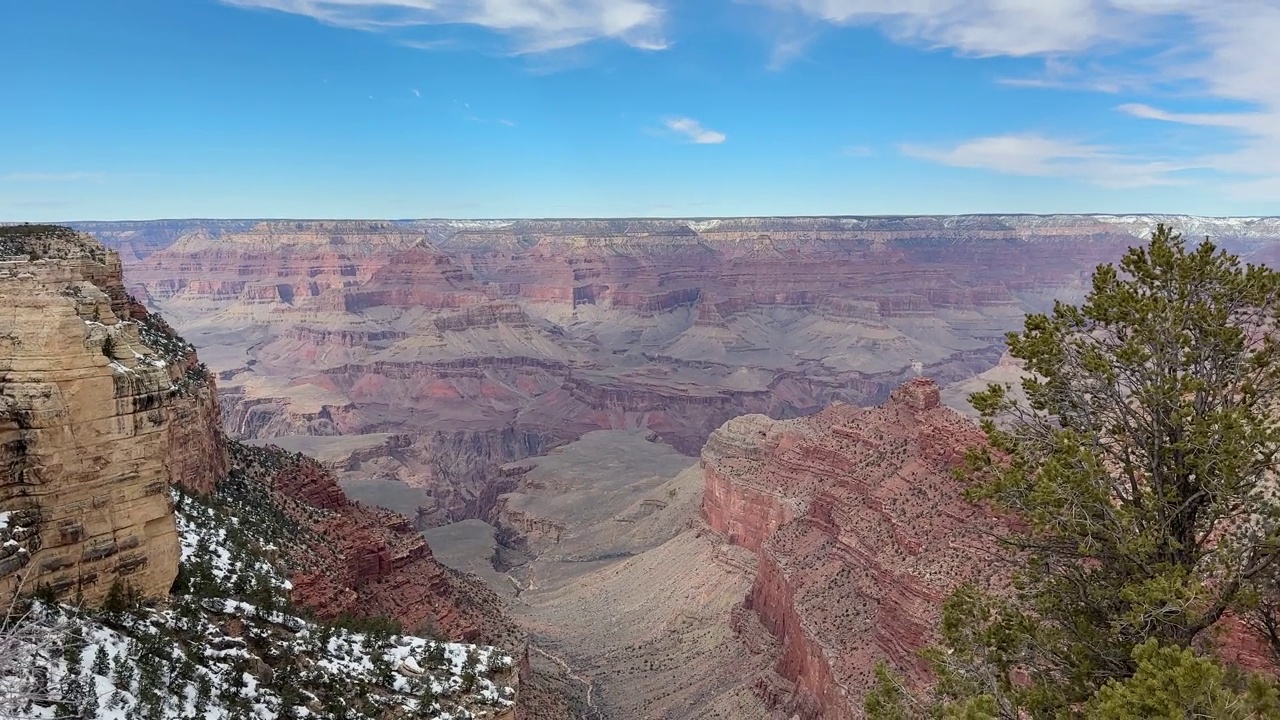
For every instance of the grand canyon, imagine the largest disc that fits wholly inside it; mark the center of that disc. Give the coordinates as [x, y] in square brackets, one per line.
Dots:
[704, 464]
[675, 468]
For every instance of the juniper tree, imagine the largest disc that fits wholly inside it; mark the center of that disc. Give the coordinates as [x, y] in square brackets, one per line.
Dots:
[1138, 467]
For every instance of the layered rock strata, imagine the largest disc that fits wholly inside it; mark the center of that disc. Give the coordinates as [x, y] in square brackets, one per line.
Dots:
[359, 561]
[102, 408]
[860, 531]
[488, 342]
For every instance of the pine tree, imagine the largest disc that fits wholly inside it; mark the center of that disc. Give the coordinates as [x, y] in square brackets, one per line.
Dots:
[122, 674]
[117, 601]
[204, 692]
[469, 666]
[101, 662]
[73, 647]
[436, 657]
[1173, 683]
[1139, 469]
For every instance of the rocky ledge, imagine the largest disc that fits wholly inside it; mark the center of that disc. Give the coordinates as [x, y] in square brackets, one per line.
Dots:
[861, 533]
[102, 407]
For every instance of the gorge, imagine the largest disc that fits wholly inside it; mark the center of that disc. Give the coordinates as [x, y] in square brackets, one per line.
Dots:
[681, 468]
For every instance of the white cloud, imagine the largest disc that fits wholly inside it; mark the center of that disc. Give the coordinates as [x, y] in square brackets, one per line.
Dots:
[1238, 60]
[535, 25]
[976, 27]
[1039, 156]
[416, 92]
[693, 130]
[1220, 51]
[506, 122]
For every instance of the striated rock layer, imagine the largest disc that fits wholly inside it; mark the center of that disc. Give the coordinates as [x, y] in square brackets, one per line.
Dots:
[359, 561]
[485, 342]
[861, 533]
[102, 407]
[351, 560]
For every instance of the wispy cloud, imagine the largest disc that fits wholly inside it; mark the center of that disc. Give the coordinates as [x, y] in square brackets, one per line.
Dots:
[51, 177]
[787, 50]
[693, 131]
[506, 122]
[1039, 156]
[534, 25]
[416, 92]
[1206, 50]
[857, 151]
[980, 27]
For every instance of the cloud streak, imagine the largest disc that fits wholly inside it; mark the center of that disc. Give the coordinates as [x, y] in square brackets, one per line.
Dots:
[1038, 156]
[980, 27]
[51, 177]
[533, 25]
[1208, 50]
[693, 131]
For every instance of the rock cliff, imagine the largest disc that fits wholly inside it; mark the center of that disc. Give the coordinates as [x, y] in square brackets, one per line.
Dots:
[358, 561]
[860, 532]
[102, 408]
[484, 343]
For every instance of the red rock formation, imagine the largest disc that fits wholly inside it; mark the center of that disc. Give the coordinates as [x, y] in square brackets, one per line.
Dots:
[524, 334]
[361, 561]
[861, 533]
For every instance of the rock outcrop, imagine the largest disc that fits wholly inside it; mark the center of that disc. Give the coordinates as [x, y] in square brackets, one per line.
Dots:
[358, 561]
[860, 531]
[102, 408]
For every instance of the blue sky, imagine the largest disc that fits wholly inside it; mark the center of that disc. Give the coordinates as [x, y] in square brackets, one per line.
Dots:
[535, 108]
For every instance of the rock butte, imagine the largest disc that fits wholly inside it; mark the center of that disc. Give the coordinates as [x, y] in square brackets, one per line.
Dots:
[861, 533]
[477, 343]
[96, 422]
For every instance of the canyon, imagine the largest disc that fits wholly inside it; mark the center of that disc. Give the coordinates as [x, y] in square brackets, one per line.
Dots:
[105, 412]
[693, 461]
[454, 347]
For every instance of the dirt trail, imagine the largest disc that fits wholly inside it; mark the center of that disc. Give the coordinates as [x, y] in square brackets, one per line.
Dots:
[593, 712]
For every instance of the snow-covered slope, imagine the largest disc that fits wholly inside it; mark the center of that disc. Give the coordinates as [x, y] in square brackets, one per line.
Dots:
[228, 646]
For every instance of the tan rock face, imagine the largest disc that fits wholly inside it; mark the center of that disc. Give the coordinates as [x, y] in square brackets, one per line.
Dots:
[95, 424]
[861, 534]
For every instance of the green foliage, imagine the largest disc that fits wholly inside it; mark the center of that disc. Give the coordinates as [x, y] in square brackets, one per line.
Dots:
[1138, 469]
[887, 699]
[121, 597]
[377, 626]
[1173, 683]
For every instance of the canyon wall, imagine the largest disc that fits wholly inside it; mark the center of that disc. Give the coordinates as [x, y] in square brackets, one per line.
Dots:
[485, 342]
[102, 407]
[860, 531]
[358, 561]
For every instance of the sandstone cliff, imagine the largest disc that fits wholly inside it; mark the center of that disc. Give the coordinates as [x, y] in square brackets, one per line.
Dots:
[861, 533]
[102, 407]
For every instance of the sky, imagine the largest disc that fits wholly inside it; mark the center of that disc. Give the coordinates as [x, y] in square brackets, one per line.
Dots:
[139, 109]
